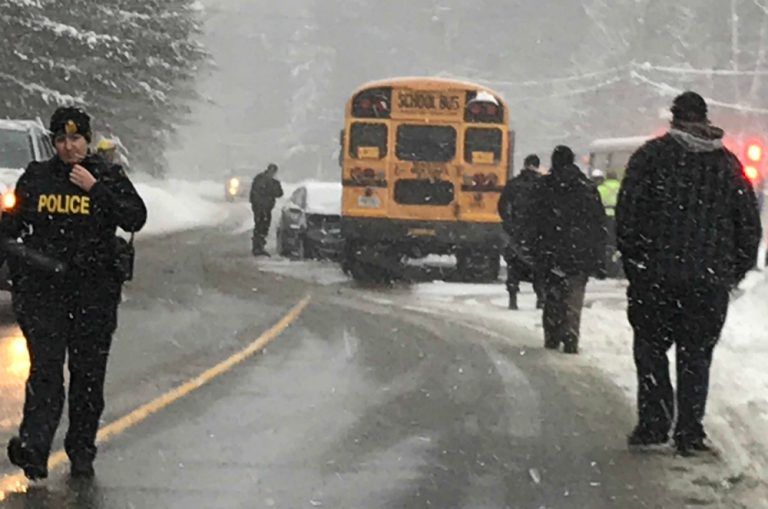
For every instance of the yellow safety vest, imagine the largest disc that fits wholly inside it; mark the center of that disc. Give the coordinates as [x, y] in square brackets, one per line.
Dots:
[609, 194]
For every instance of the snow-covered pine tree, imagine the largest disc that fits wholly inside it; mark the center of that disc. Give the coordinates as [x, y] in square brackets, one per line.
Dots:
[131, 63]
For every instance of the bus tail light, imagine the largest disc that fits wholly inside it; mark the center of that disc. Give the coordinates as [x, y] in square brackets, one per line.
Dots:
[484, 180]
[368, 177]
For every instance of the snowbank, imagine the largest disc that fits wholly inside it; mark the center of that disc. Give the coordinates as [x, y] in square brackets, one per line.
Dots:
[177, 205]
[737, 415]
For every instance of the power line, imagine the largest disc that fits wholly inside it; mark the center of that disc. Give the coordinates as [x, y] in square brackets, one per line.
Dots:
[529, 83]
[647, 66]
[669, 90]
[571, 93]
[566, 79]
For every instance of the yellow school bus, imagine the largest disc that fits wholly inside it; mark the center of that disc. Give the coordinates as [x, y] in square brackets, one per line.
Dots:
[424, 161]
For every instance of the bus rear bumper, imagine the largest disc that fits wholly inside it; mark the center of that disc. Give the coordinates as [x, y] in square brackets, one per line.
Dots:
[427, 237]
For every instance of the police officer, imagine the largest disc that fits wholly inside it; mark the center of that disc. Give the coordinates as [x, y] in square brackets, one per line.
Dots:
[597, 176]
[265, 190]
[513, 204]
[688, 232]
[68, 209]
[609, 192]
[107, 149]
[609, 195]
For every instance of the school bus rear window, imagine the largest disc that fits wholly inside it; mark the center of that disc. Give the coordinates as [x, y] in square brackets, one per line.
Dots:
[426, 143]
[368, 141]
[480, 142]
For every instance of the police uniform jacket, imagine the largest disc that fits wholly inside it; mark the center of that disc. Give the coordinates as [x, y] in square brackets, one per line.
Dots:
[55, 218]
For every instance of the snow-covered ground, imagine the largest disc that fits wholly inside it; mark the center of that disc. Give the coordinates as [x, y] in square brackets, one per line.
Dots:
[178, 205]
[737, 417]
[175, 205]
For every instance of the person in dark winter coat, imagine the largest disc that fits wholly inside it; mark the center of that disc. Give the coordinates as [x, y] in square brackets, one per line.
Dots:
[514, 203]
[265, 190]
[567, 232]
[688, 231]
[67, 211]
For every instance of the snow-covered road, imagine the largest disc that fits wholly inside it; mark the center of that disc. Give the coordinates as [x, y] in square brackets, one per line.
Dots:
[738, 407]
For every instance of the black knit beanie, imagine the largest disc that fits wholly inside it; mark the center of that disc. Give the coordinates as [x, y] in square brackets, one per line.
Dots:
[70, 120]
[562, 156]
[689, 107]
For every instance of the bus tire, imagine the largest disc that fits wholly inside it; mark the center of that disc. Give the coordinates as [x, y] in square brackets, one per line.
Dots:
[281, 249]
[362, 271]
[477, 266]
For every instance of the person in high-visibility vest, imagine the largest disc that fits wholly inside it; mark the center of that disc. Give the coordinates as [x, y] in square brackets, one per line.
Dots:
[107, 149]
[609, 193]
[608, 187]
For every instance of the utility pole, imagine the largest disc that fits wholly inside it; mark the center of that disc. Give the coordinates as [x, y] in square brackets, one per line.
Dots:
[735, 51]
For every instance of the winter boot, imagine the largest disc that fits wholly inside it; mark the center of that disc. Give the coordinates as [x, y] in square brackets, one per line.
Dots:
[82, 469]
[513, 301]
[551, 342]
[688, 448]
[571, 348]
[642, 436]
[34, 469]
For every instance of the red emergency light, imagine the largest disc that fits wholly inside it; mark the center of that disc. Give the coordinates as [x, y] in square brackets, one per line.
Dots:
[754, 154]
[752, 173]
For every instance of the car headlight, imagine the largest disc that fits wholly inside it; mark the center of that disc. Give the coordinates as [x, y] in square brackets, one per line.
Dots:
[9, 200]
[234, 185]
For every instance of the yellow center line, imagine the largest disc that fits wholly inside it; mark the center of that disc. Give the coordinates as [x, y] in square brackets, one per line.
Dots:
[19, 483]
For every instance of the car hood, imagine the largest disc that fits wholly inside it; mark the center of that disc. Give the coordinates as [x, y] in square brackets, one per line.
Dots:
[9, 177]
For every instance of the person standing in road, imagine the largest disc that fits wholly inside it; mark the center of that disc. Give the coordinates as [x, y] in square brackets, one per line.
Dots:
[68, 210]
[609, 194]
[514, 203]
[566, 228]
[688, 232]
[107, 149]
[265, 190]
[597, 176]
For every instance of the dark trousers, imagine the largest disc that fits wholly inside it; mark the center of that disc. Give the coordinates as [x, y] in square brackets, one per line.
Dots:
[563, 300]
[613, 265]
[517, 271]
[262, 219]
[77, 325]
[691, 319]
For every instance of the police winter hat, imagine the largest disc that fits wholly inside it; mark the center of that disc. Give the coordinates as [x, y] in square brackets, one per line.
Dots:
[689, 107]
[70, 120]
[562, 156]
